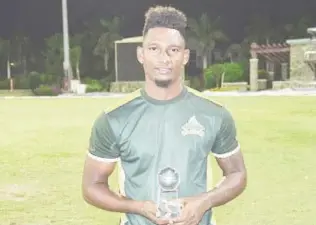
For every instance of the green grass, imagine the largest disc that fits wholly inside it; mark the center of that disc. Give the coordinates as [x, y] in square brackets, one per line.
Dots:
[16, 93]
[43, 145]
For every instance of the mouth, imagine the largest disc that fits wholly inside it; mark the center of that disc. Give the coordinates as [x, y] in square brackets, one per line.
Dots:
[163, 70]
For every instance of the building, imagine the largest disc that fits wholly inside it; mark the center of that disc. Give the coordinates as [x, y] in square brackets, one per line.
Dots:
[296, 59]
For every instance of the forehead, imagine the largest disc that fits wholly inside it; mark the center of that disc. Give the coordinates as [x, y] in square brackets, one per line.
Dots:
[165, 36]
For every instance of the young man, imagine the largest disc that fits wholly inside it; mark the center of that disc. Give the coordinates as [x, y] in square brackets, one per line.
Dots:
[163, 127]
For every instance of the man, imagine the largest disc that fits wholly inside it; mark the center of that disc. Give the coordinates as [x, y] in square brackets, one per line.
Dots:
[164, 125]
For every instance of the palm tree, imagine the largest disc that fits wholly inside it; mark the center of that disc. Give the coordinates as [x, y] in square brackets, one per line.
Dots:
[234, 53]
[105, 43]
[5, 55]
[54, 55]
[203, 34]
[75, 55]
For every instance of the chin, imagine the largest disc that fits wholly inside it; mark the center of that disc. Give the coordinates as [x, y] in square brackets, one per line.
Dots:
[163, 83]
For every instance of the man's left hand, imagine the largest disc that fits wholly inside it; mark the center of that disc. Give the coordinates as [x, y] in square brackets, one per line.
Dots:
[192, 212]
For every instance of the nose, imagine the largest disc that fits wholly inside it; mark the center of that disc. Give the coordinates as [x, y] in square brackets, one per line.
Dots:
[164, 57]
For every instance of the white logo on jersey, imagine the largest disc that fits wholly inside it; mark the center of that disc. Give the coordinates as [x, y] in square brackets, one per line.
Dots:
[193, 127]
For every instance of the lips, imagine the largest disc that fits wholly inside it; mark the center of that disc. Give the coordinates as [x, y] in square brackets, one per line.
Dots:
[163, 70]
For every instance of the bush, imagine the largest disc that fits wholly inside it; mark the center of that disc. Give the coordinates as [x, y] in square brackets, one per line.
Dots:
[234, 72]
[37, 79]
[213, 75]
[34, 80]
[225, 89]
[87, 80]
[4, 84]
[262, 74]
[47, 90]
[22, 82]
[94, 86]
[106, 84]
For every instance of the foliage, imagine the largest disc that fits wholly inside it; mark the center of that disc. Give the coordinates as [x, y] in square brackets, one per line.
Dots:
[203, 35]
[92, 50]
[37, 79]
[234, 53]
[21, 82]
[213, 75]
[230, 72]
[54, 55]
[47, 90]
[93, 85]
[105, 43]
[196, 82]
[233, 72]
[219, 89]
[4, 84]
[263, 74]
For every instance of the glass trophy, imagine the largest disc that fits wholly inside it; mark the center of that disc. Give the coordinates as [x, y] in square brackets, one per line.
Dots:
[168, 193]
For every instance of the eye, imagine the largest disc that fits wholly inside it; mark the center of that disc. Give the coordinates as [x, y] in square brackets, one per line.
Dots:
[173, 50]
[152, 48]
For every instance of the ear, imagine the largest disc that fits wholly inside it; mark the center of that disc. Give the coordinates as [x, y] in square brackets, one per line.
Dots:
[140, 54]
[186, 56]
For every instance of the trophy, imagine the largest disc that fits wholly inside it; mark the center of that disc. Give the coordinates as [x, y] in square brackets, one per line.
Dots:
[168, 193]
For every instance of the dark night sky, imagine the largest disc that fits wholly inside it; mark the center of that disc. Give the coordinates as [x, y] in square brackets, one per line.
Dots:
[41, 18]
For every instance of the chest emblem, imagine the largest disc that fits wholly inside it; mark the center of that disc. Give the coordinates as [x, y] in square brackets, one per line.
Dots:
[193, 127]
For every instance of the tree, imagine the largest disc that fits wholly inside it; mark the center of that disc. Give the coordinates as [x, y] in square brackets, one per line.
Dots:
[203, 34]
[234, 53]
[262, 30]
[105, 43]
[299, 29]
[75, 56]
[5, 55]
[54, 55]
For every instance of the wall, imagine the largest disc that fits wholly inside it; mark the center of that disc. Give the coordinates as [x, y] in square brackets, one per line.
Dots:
[299, 70]
[128, 67]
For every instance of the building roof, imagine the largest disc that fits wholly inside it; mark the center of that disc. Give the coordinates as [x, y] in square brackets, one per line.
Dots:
[137, 39]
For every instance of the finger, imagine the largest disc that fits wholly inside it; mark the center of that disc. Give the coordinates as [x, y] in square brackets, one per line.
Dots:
[180, 223]
[159, 221]
[162, 222]
[179, 220]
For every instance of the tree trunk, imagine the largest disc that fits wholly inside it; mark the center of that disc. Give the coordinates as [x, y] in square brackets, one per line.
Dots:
[222, 79]
[24, 66]
[202, 78]
[8, 69]
[106, 60]
[78, 70]
[205, 61]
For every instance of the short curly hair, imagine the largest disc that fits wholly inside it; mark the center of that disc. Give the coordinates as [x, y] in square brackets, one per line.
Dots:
[165, 16]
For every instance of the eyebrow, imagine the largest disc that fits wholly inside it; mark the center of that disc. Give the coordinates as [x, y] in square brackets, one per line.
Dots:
[156, 43]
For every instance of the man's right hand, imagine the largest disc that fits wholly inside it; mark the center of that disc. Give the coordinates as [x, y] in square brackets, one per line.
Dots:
[149, 210]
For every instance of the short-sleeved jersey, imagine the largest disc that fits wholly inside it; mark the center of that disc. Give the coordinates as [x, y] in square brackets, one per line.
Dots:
[147, 135]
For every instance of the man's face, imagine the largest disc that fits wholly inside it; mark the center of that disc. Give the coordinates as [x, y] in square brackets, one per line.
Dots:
[163, 55]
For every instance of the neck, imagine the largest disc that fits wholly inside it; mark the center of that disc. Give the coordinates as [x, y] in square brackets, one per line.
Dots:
[160, 93]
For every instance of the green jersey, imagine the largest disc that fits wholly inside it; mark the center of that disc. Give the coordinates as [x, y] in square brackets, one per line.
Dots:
[147, 135]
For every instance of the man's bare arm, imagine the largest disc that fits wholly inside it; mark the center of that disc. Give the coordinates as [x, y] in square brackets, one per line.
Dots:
[234, 183]
[96, 191]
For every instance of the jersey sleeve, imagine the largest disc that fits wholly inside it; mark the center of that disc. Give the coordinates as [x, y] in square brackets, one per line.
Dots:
[102, 143]
[226, 143]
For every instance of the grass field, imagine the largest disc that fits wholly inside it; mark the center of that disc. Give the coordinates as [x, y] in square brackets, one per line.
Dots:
[43, 145]
[15, 93]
